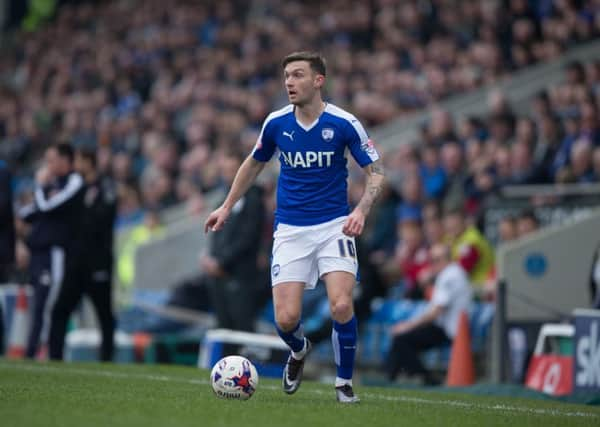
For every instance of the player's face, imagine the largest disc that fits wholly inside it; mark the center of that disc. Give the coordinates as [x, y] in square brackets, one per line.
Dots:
[301, 82]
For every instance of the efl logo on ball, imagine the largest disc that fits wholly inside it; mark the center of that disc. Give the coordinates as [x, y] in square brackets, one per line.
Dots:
[234, 377]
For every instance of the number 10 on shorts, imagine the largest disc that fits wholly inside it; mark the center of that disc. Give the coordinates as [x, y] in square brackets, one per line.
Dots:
[344, 244]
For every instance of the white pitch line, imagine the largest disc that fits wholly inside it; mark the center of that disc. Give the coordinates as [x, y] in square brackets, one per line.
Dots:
[370, 396]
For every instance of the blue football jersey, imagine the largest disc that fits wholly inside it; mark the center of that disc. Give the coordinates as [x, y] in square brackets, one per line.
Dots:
[312, 186]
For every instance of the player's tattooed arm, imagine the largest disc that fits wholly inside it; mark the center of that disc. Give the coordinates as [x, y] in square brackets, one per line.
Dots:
[375, 179]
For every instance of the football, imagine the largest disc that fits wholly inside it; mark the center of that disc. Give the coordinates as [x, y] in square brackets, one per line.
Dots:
[234, 377]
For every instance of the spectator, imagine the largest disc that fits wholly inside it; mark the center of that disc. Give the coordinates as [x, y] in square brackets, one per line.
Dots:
[92, 274]
[480, 182]
[231, 263]
[411, 255]
[440, 130]
[469, 247]
[151, 228]
[411, 194]
[507, 232]
[541, 105]
[596, 164]
[527, 223]
[44, 266]
[157, 96]
[546, 147]
[438, 325]
[526, 131]
[432, 173]
[580, 167]
[7, 230]
[54, 241]
[7, 235]
[453, 165]
[521, 161]
[507, 229]
[129, 211]
[502, 166]
[433, 226]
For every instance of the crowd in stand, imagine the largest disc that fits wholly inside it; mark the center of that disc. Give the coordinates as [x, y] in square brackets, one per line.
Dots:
[161, 89]
[459, 166]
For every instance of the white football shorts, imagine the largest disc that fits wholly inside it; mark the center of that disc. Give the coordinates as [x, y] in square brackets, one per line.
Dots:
[306, 253]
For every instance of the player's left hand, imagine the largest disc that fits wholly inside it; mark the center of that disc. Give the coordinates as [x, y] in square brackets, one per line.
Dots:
[216, 219]
[354, 224]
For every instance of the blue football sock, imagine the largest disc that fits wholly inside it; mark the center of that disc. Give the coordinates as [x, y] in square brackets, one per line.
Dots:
[343, 338]
[294, 338]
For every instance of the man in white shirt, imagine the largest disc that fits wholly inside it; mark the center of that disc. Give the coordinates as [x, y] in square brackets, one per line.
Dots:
[436, 327]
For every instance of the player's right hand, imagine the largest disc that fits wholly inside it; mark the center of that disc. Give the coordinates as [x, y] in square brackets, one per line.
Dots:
[216, 219]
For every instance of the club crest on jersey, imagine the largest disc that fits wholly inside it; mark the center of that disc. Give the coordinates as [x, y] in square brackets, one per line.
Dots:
[327, 134]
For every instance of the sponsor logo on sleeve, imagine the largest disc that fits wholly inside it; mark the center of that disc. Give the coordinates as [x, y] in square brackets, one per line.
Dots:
[369, 147]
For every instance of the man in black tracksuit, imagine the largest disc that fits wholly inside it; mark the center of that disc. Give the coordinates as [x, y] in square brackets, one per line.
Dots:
[55, 217]
[92, 273]
[231, 264]
[7, 235]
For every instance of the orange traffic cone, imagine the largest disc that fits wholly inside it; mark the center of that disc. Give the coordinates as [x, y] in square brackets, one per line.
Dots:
[20, 327]
[141, 342]
[461, 371]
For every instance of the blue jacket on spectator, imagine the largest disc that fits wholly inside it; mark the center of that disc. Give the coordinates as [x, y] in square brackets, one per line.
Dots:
[434, 181]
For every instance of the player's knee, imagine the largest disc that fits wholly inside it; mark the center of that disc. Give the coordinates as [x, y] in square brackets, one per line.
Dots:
[341, 310]
[286, 320]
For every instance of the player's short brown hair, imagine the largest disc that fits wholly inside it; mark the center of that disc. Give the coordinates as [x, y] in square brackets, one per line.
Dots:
[315, 60]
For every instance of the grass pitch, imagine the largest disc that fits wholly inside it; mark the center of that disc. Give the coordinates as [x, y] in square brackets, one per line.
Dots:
[51, 394]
